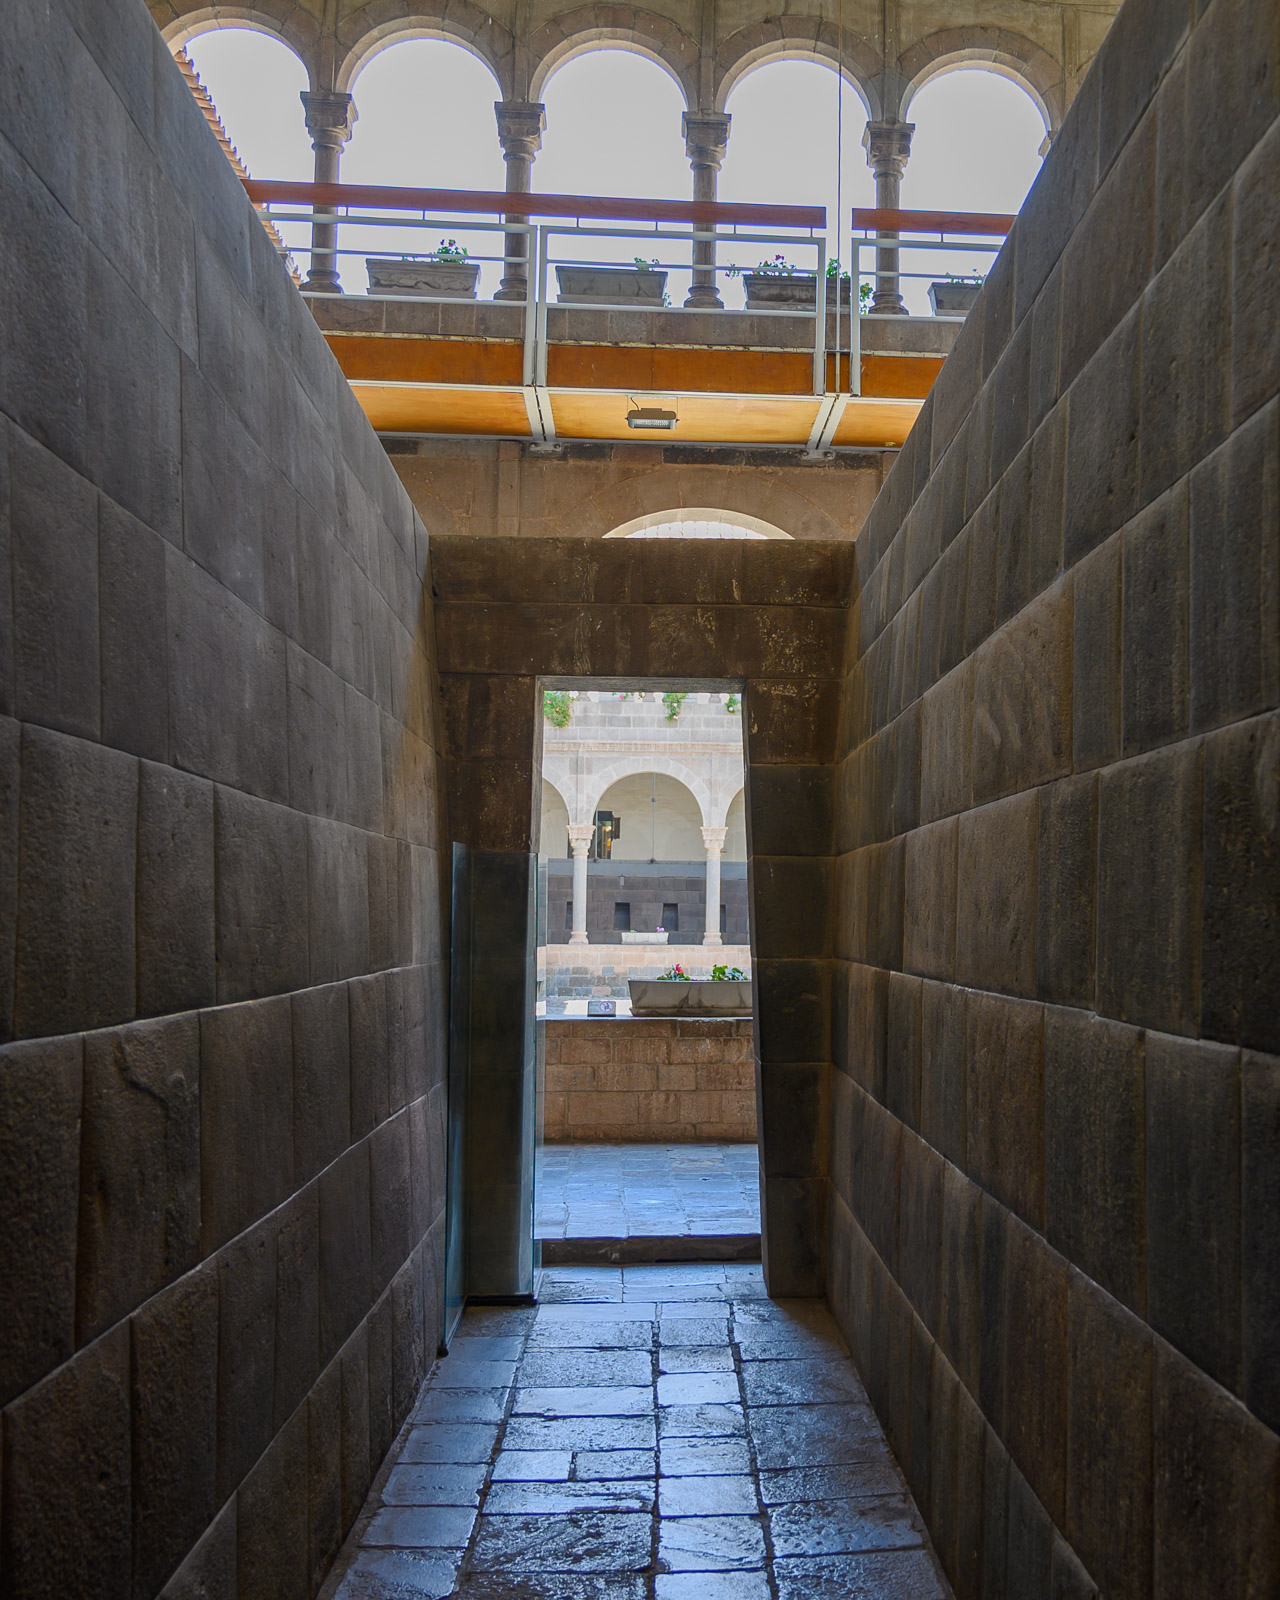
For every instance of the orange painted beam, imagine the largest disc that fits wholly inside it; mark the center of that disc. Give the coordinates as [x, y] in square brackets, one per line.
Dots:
[900, 377]
[377, 358]
[680, 371]
[986, 223]
[264, 191]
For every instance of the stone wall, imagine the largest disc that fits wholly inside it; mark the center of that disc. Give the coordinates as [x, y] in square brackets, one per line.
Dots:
[221, 982]
[1055, 1150]
[651, 1080]
[648, 894]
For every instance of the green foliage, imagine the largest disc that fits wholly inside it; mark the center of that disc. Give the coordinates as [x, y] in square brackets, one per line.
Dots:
[779, 267]
[673, 703]
[557, 707]
[675, 974]
[973, 279]
[449, 252]
[865, 291]
[728, 975]
[733, 704]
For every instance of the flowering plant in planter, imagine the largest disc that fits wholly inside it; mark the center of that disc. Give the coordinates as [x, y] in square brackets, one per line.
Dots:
[778, 267]
[675, 974]
[724, 974]
[448, 250]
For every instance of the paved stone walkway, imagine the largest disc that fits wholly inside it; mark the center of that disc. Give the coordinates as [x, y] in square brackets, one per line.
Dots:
[644, 1433]
[594, 1191]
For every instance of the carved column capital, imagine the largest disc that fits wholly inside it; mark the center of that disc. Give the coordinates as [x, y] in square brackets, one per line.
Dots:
[713, 839]
[521, 124]
[888, 146]
[580, 834]
[330, 116]
[706, 137]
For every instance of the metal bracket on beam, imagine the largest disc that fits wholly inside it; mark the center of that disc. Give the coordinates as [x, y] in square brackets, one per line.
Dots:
[542, 427]
[819, 448]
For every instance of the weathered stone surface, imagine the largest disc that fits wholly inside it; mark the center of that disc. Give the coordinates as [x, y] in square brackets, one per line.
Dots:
[929, 928]
[133, 647]
[1036, 1363]
[1004, 1052]
[1260, 1236]
[297, 1328]
[140, 1167]
[1022, 699]
[175, 916]
[209, 1572]
[1154, 643]
[338, 900]
[344, 1248]
[1239, 954]
[1193, 1200]
[1216, 1471]
[325, 1526]
[40, 1096]
[942, 1069]
[1095, 1149]
[321, 1078]
[946, 745]
[175, 1379]
[1148, 815]
[260, 855]
[272, 1557]
[67, 1490]
[1102, 463]
[1096, 672]
[1066, 890]
[246, 1122]
[996, 895]
[960, 1301]
[76, 865]
[10, 779]
[246, 1353]
[902, 1049]
[1254, 247]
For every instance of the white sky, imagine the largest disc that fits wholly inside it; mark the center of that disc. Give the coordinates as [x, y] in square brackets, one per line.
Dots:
[613, 127]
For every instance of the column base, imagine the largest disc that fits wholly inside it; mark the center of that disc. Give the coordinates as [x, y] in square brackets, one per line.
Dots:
[322, 283]
[513, 289]
[888, 305]
[712, 941]
[578, 938]
[703, 299]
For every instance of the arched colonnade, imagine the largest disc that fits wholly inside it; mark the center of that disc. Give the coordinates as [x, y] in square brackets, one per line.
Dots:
[886, 67]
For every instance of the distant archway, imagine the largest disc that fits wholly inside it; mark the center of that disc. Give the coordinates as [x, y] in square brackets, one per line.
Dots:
[697, 522]
[255, 79]
[660, 817]
[735, 822]
[553, 836]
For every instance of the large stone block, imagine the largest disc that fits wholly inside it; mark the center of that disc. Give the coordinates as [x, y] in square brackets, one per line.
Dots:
[982, 581]
[1022, 709]
[408, 1351]
[1120, 225]
[321, 1078]
[1132, 59]
[1107, 1513]
[272, 1555]
[133, 645]
[1240, 954]
[356, 1470]
[1095, 1149]
[1193, 1200]
[1096, 670]
[793, 1001]
[1029, 1546]
[382, 1424]
[227, 685]
[140, 1166]
[40, 1094]
[391, 1197]
[961, 1288]
[946, 745]
[920, 1230]
[317, 736]
[790, 719]
[790, 906]
[1260, 1237]
[1012, 393]
[1036, 1363]
[1066, 890]
[1060, 195]
[337, 899]
[995, 1519]
[297, 1301]
[246, 1352]
[1255, 257]
[1155, 619]
[942, 1087]
[996, 895]
[76, 870]
[345, 1237]
[224, 475]
[1185, 404]
[10, 783]
[246, 1115]
[134, 406]
[929, 912]
[902, 1049]
[1216, 1470]
[1102, 458]
[1004, 1050]
[324, 1474]
[260, 853]
[209, 1572]
[1148, 913]
[175, 914]
[1235, 575]
[67, 1485]
[370, 1068]
[175, 1380]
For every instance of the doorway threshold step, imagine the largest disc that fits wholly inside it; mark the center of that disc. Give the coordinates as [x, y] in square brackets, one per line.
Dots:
[651, 1247]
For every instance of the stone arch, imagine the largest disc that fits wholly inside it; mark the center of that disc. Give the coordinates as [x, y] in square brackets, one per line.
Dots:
[685, 811]
[998, 50]
[656, 519]
[796, 38]
[735, 825]
[552, 804]
[286, 22]
[641, 765]
[720, 492]
[459, 23]
[615, 27]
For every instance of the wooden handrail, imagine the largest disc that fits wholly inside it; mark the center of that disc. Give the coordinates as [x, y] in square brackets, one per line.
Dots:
[981, 222]
[262, 191]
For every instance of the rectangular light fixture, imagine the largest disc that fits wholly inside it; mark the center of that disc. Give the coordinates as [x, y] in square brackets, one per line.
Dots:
[650, 417]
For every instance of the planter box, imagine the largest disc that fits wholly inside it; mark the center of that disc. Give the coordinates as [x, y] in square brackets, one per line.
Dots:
[644, 938]
[953, 299]
[444, 280]
[776, 291]
[611, 286]
[659, 997]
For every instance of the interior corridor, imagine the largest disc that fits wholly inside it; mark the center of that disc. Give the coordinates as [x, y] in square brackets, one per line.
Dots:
[659, 1432]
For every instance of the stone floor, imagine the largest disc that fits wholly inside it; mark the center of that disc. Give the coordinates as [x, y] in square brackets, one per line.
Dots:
[595, 1191]
[644, 1433]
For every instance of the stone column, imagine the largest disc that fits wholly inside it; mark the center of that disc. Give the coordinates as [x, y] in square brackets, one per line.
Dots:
[713, 840]
[888, 144]
[520, 126]
[706, 134]
[580, 842]
[330, 119]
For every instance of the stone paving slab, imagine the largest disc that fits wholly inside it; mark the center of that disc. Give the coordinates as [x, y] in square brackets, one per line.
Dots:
[614, 1459]
[599, 1192]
